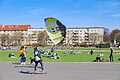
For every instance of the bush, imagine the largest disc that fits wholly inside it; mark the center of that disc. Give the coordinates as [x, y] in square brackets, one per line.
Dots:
[35, 44]
[103, 45]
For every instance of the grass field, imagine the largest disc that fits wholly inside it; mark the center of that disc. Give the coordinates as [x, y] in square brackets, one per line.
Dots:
[82, 48]
[82, 56]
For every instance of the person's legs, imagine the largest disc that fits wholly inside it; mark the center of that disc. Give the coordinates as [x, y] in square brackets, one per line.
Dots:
[36, 63]
[21, 60]
[41, 65]
[24, 60]
[112, 57]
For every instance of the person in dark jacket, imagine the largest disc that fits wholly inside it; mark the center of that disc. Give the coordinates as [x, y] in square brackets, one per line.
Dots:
[111, 54]
[38, 58]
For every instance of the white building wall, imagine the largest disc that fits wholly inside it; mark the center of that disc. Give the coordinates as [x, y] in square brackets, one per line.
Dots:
[73, 35]
[33, 34]
[81, 35]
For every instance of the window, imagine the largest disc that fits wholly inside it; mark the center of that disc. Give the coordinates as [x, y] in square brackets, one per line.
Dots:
[80, 30]
[76, 30]
[80, 33]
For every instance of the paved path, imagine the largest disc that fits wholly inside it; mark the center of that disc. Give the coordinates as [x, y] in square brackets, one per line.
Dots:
[62, 71]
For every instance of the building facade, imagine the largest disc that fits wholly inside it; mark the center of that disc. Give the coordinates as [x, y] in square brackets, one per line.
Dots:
[24, 35]
[33, 34]
[14, 34]
[86, 35]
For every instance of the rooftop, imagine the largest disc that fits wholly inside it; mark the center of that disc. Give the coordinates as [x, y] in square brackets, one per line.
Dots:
[14, 27]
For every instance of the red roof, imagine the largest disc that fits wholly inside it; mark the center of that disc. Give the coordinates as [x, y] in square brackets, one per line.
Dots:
[14, 27]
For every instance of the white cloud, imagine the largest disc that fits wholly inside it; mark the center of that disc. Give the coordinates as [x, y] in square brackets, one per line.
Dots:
[116, 15]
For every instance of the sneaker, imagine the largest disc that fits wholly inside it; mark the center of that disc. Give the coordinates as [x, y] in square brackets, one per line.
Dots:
[24, 63]
[21, 63]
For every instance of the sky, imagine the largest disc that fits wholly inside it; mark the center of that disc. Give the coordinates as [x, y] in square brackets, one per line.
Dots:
[72, 13]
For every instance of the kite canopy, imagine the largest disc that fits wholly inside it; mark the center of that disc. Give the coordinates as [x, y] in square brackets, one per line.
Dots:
[55, 30]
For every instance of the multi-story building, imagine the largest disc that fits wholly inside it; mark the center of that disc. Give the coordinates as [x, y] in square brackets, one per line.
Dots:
[87, 35]
[24, 34]
[13, 34]
[33, 34]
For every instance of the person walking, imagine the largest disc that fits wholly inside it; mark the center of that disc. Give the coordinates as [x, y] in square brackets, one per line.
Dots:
[38, 58]
[22, 55]
[111, 54]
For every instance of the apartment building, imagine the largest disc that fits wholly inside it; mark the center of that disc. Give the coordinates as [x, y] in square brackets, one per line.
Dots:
[87, 35]
[33, 34]
[24, 34]
[14, 34]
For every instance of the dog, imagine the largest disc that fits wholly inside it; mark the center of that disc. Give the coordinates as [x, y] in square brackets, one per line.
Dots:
[31, 60]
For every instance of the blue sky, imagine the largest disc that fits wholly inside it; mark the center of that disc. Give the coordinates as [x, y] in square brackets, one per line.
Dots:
[72, 13]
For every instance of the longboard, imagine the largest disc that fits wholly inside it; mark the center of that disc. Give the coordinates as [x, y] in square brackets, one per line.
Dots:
[39, 73]
[28, 72]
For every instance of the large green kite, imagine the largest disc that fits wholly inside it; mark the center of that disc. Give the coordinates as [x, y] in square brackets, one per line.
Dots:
[55, 30]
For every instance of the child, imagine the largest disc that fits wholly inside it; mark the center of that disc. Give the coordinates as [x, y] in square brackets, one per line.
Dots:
[38, 58]
[22, 55]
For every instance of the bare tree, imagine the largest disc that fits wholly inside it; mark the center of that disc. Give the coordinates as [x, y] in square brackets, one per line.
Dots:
[106, 37]
[113, 33]
[95, 38]
[46, 38]
[5, 39]
[42, 38]
[115, 36]
[17, 37]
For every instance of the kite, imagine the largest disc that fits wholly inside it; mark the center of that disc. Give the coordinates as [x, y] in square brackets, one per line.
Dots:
[55, 30]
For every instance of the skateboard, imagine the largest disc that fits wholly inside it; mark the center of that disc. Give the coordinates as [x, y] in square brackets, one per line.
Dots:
[28, 72]
[38, 72]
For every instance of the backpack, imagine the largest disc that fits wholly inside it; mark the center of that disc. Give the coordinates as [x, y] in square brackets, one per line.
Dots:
[37, 58]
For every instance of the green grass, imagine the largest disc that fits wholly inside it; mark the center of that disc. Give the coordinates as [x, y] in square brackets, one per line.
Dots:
[81, 48]
[80, 57]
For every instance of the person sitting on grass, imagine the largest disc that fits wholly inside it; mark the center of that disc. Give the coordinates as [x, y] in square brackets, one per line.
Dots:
[97, 59]
[64, 53]
[118, 58]
[91, 52]
[55, 56]
[11, 55]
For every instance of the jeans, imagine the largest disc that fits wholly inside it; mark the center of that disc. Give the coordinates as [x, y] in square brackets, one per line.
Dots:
[111, 57]
[22, 59]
